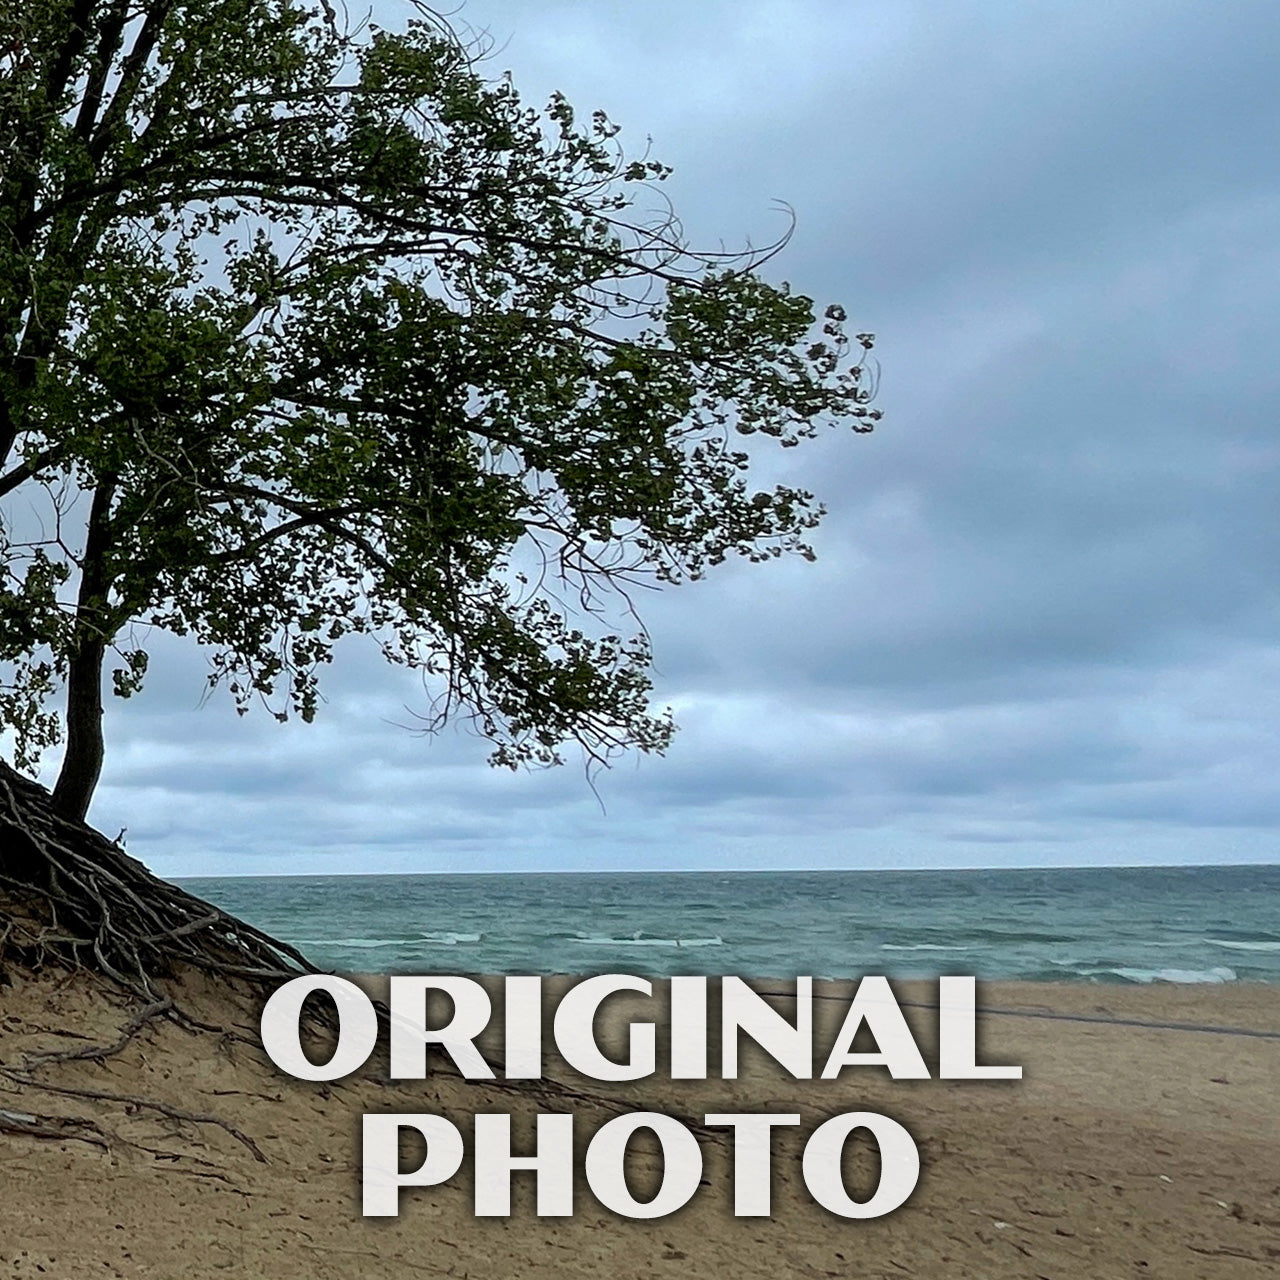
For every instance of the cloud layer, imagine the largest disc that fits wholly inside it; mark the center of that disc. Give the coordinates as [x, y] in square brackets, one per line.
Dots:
[1042, 627]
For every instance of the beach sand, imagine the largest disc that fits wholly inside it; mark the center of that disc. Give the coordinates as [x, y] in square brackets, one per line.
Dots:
[1124, 1151]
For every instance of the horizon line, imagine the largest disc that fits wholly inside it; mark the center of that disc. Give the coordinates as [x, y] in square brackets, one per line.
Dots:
[746, 871]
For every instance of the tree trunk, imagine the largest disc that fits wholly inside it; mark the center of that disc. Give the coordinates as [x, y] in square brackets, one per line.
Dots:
[82, 763]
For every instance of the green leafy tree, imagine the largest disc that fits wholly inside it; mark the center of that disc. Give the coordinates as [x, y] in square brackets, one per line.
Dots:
[307, 331]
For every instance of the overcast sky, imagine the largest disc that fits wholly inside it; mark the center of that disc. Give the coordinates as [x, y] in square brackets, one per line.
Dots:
[1042, 628]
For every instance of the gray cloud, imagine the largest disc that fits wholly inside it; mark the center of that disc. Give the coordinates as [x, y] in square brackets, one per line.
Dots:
[1042, 626]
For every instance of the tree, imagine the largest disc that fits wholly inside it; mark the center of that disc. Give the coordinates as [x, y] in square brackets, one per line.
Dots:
[307, 331]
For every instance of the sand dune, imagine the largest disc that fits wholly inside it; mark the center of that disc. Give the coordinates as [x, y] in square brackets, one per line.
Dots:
[1125, 1151]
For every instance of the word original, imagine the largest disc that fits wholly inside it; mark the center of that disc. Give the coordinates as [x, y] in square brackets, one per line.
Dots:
[416, 1029]
[743, 1011]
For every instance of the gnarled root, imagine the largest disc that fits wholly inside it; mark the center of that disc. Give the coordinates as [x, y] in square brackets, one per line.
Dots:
[73, 898]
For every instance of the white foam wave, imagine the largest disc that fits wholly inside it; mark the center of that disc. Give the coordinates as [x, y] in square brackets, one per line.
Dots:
[1232, 944]
[445, 939]
[1216, 974]
[921, 946]
[636, 941]
[357, 944]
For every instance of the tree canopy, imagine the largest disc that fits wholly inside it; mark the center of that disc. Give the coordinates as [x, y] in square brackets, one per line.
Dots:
[308, 330]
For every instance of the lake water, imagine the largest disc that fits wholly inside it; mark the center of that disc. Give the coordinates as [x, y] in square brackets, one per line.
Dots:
[1138, 925]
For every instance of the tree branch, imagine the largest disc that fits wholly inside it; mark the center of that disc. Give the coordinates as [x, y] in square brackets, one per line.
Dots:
[26, 470]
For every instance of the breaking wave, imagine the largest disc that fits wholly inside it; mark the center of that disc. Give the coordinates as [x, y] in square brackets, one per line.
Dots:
[922, 946]
[444, 939]
[356, 944]
[638, 940]
[1145, 976]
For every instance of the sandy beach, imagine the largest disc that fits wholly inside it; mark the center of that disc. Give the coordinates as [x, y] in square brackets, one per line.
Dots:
[1125, 1151]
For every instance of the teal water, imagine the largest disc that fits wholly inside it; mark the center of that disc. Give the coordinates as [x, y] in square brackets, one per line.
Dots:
[1140, 925]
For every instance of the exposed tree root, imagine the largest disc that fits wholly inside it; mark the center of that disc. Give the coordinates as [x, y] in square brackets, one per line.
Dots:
[99, 1052]
[59, 1128]
[74, 901]
[131, 1102]
[74, 898]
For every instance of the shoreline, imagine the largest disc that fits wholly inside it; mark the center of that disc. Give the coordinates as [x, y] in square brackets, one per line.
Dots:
[1122, 1151]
